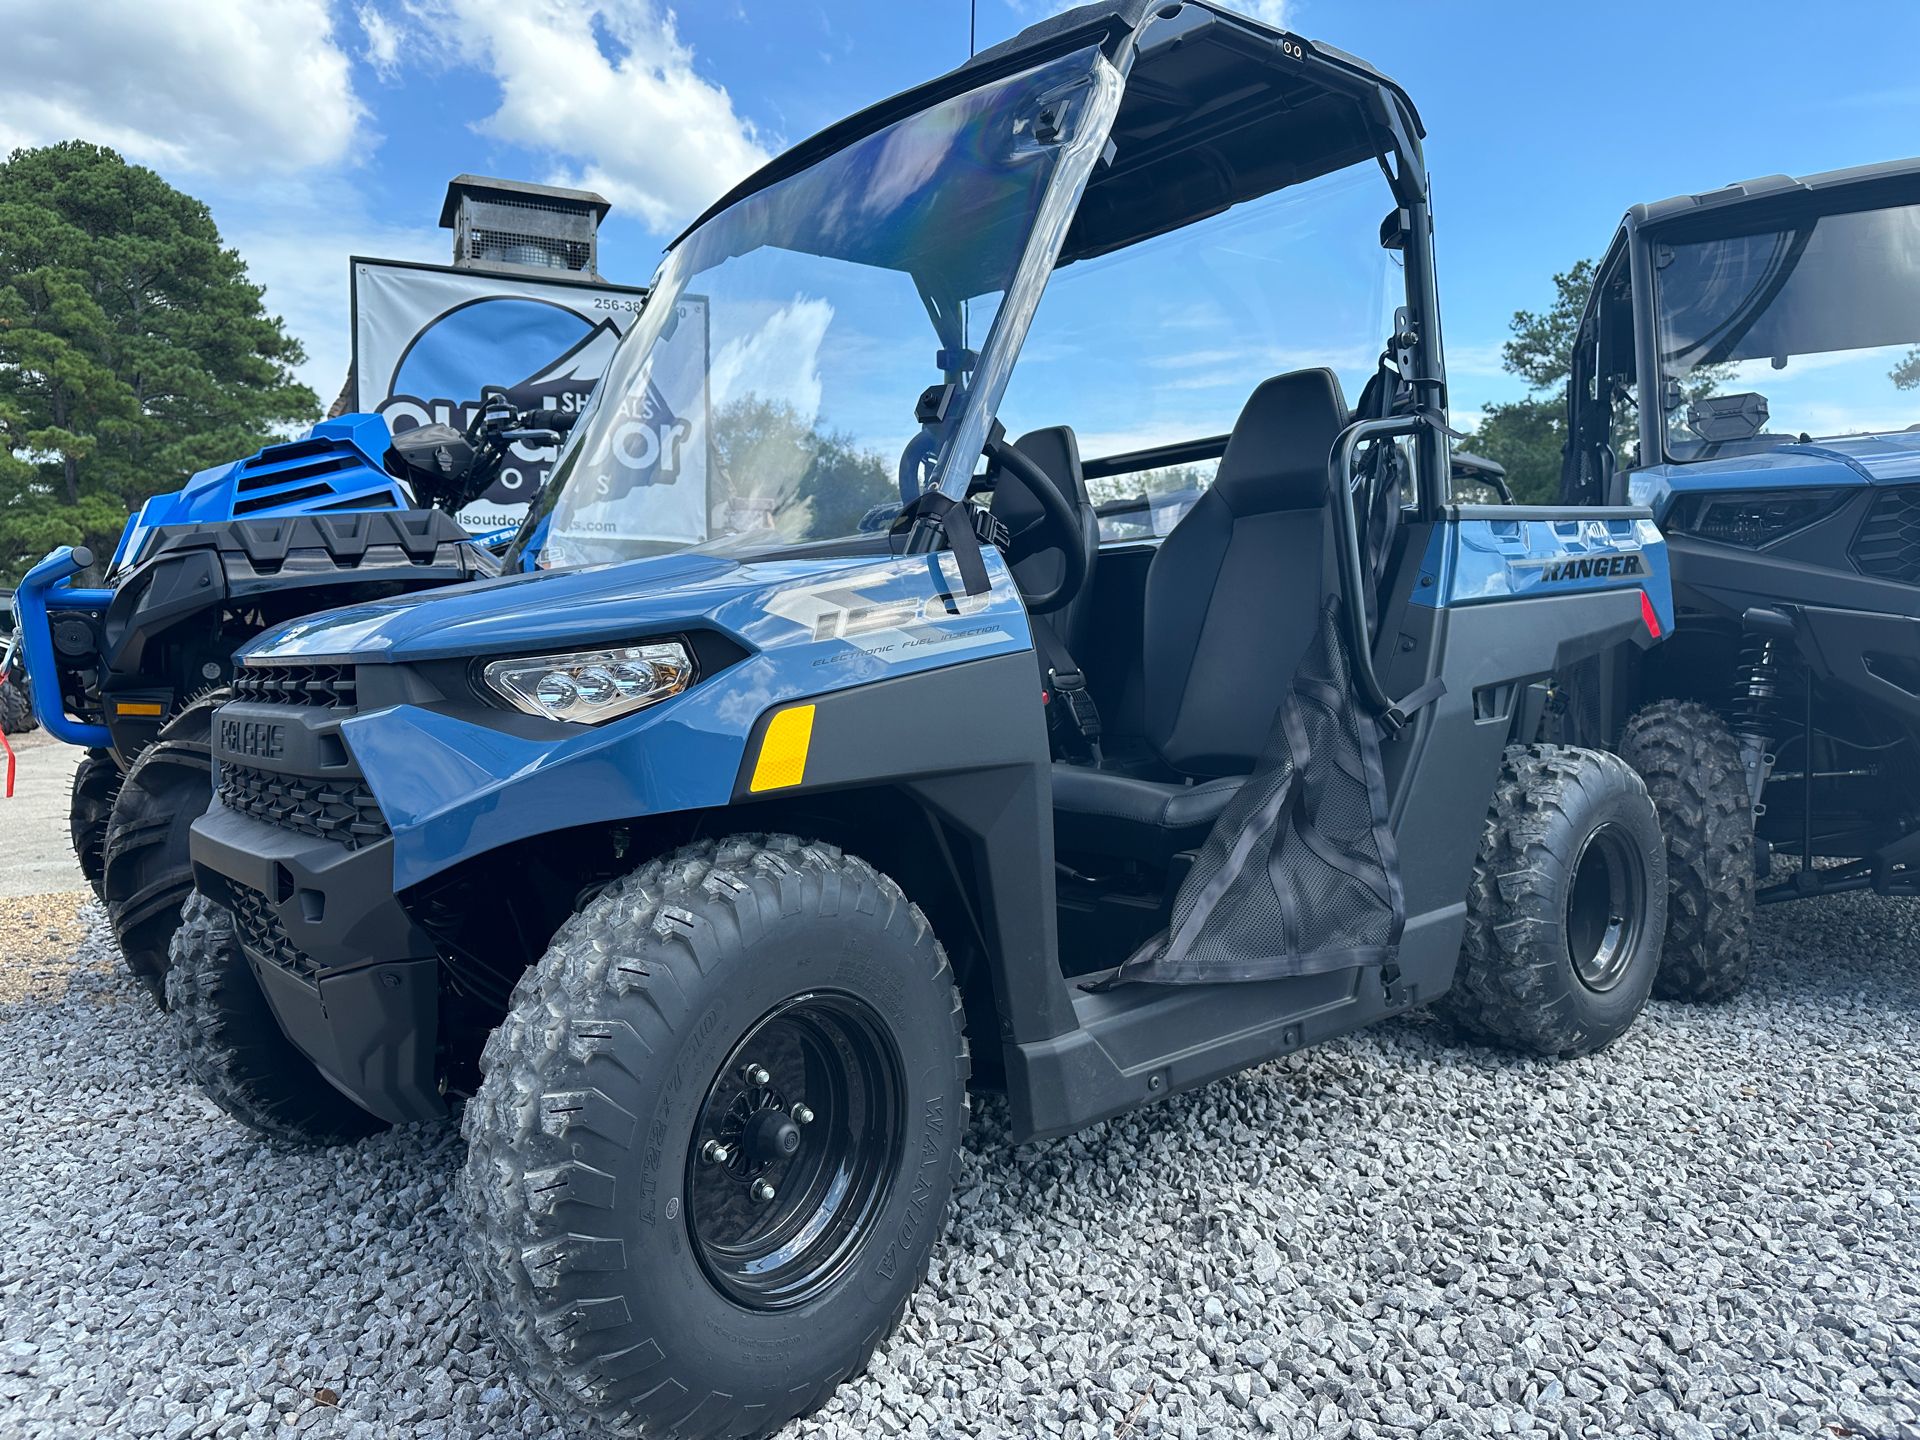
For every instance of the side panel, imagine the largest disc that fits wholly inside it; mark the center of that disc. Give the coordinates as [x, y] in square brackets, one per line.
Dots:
[1489, 553]
[1506, 596]
[969, 743]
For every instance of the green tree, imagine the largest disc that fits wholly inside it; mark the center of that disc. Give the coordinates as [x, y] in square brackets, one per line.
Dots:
[1527, 436]
[815, 484]
[133, 348]
[1906, 375]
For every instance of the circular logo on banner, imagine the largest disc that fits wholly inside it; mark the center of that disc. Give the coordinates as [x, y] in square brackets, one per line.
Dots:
[544, 355]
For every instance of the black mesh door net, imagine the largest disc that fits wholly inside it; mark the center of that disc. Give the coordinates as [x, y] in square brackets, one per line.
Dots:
[1299, 875]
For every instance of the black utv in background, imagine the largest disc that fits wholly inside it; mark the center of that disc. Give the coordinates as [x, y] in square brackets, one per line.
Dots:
[16, 700]
[1746, 366]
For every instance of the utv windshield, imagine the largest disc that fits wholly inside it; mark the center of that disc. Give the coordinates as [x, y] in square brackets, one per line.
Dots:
[1804, 330]
[767, 396]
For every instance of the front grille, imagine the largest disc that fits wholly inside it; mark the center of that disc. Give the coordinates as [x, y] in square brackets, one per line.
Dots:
[265, 938]
[341, 810]
[1888, 544]
[324, 687]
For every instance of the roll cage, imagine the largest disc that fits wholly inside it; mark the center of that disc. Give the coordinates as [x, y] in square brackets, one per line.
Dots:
[1215, 109]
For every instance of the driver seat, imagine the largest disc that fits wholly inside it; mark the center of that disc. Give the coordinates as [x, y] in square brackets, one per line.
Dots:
[1233, 600]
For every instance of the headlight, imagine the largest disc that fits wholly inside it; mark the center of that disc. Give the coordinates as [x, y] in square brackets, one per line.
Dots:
[1754, 518]
[588, 687]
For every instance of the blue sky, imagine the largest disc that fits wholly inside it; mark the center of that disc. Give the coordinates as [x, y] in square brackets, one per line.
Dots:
[320, 128]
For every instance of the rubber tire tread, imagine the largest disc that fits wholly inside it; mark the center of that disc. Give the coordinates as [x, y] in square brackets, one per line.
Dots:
[1515, 986]
[234, 1047]
[147, 870]
[95, 784]
[559, 1008]
[16, 707]
[1692, 767]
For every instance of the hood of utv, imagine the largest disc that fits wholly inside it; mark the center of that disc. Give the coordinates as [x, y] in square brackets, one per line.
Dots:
[1848, 462]
[553, 610]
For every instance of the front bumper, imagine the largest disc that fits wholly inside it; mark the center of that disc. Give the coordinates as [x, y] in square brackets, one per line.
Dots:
[352, 980]
[45, 591]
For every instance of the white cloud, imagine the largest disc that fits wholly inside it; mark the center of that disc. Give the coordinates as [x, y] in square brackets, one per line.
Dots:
[608, 89]
[300, 258]
[227, 87]
[383, 41]
[780, 361]
[1480, 362]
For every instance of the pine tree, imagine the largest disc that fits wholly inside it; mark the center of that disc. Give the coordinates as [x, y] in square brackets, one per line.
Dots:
[133, 348]
[1527, 436]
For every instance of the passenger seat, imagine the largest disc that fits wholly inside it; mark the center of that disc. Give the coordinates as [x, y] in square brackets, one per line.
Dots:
[1233, 600]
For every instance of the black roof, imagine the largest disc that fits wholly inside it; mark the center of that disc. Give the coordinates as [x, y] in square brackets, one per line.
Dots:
[1246, 167]
[1042, 36]
[488, 187]
[1773, 189]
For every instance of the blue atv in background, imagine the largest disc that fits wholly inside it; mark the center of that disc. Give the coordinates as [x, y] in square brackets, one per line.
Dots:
[132, 669]
[1747, 367]
[709, 859]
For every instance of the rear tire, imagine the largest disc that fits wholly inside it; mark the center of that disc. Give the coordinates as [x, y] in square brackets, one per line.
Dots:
[617, 1255]
[234, 1047]
[148, 873]
[1567, 906]
[95, 784]
[1691, 764]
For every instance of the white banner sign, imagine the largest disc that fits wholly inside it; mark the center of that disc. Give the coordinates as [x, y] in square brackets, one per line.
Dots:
[649, 465]
[426, 338]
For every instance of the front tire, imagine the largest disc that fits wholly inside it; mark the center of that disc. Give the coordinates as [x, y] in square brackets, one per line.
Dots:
[95, 783]
[759, 1011]
[235, 1049]
[1691, 764]
[147, 872]
[1567, 906]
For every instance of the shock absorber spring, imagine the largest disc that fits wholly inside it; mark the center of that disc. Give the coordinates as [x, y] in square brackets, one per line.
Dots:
[1756, 690]
[1755, 712]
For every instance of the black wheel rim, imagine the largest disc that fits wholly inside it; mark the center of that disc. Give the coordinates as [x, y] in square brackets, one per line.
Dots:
[1603, 908]
[795, 1150]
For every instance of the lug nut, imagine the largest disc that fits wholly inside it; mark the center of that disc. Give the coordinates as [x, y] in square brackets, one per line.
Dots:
[802, 1115]
[754, 1074]
[714, 1153]
[762, 1192]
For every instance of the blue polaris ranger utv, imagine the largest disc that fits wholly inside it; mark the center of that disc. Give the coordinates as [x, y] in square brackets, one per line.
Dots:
[709, 859]
[133, 668]
[1747, 366]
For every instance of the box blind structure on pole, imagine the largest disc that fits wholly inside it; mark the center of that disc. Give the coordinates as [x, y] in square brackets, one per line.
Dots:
[522, 307]
[512, 226]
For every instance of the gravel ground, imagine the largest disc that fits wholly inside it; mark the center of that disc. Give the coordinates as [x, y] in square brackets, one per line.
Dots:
[38, 938]
[1708, 1231]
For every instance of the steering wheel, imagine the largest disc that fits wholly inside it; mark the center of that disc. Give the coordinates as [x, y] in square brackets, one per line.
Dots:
[915, 461]
[1058, 527]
